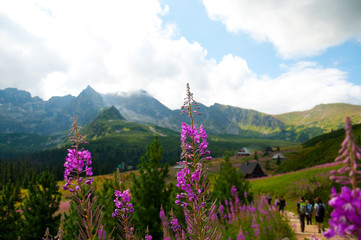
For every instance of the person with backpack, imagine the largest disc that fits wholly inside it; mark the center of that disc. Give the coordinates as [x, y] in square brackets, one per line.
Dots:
[319, 213]
[309, 213]
[282, 204]
[302, 209]
[269, 199]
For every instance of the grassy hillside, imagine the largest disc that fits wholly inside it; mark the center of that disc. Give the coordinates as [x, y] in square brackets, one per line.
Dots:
[319, 150]
[324, 116]
[279, 184]
[104, 128]
[234, 120]
[110, 123]
[309, 182]
[232, 143]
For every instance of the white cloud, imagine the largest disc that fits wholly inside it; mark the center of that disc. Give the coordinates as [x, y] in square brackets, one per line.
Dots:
[296, 28]
[110, 45]
[98, 40]
[24, 57]
[59, 47]
[301, 87]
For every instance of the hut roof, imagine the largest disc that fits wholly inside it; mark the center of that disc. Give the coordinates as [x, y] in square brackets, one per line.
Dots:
[244, 151]
[251, 170]
[248, 167]
[280, 155]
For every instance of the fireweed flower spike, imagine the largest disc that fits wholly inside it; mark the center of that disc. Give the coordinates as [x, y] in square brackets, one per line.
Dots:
[78, 163]
[172, 227]
[349, 154]
[346, 216]
[192, 179]
[75, 161]
[123, 212]
[122, 203]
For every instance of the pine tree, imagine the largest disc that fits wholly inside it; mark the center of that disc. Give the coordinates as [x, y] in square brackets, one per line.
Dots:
[39, 208]
[228, 177]
[150, 191]
[10, 220]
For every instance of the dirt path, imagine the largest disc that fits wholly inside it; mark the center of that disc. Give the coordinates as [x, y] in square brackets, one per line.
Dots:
[310, 230]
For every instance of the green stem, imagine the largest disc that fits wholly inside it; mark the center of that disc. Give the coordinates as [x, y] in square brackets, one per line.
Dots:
[352, 159]
[84, 201]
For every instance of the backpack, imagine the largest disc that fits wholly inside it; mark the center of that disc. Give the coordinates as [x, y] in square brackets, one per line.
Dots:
[282, 203]
[321, 210]
[309, 208]
[303, 208]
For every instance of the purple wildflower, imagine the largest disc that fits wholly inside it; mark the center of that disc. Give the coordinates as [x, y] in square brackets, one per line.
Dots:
[192, 179]
[148, 237]
[346, 216]
[175, 225]
[122, 203]
[234, 191]
[75, 162]
[349, 154]
[78, 163]
[256, 229]
[240, 235]
[197, 146]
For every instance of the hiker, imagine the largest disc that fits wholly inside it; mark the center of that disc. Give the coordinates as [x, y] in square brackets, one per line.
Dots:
[269, 199]
[319, 213]
[281, 205]
[276, 202]
[302, 209]
[309, 213]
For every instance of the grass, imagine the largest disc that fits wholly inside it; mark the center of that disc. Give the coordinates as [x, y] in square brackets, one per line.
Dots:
[278, 185]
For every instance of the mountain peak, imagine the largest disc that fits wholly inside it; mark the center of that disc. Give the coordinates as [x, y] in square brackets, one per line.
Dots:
[89, 89]
[90, 93]
[110, 113]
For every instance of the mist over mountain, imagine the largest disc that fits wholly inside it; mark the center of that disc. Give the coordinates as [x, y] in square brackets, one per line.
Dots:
[139, 106]
[21, 113]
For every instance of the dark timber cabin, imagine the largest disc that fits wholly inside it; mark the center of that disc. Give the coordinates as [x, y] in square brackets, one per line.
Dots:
[252, 170]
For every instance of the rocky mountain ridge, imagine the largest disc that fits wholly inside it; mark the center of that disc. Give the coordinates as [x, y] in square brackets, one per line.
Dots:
[21, 113]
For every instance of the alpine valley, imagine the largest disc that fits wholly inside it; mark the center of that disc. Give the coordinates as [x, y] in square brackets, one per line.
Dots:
[34, 134]
[30, 121]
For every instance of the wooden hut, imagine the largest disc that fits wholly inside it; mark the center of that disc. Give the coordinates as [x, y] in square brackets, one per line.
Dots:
[251, 170]
[243, 152]
[278, 155]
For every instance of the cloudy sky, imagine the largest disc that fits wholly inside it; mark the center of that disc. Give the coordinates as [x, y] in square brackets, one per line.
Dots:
[273, 56]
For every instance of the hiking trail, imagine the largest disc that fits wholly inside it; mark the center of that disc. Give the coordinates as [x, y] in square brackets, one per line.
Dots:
[310, 230]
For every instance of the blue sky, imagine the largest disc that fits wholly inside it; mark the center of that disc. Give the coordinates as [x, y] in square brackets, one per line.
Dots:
[192, 22]
[273, 56]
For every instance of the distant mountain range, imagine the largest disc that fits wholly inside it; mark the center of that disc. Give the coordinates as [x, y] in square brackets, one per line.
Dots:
[22, 113]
